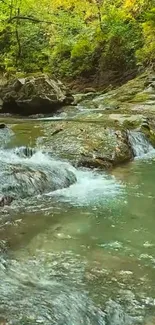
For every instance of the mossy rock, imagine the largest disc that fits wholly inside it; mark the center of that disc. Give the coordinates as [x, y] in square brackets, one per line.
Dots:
[130, 125]
[141, 97]
[90, 144]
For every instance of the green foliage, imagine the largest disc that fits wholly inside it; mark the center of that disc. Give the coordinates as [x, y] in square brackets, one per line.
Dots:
[76, 38]
[82, 55]
[146, 54]
[123, 38]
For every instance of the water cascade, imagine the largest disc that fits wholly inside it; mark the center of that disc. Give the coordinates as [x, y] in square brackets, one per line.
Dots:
[24, 174]
[139, 143]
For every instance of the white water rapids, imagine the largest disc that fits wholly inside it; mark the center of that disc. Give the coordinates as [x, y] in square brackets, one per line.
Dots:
[40, 173]
[26, 172]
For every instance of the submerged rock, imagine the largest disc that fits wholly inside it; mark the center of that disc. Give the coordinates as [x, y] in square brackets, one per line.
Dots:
[34, 95]
[49, 301]
[115, 315]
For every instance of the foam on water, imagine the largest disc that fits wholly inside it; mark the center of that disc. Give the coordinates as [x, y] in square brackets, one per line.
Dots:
[91, 187]
[37, 158]
[36, 174]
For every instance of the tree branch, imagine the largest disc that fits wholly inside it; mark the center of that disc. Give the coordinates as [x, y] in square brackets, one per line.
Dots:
[18, 38]
[35, 20]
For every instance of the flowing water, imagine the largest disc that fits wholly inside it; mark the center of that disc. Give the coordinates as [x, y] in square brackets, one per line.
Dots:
[140, 144]
[80, 255]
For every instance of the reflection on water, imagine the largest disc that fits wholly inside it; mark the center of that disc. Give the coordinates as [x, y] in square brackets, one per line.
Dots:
[81, 255]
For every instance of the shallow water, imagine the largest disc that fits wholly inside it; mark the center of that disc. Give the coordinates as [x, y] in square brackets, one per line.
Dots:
[80, 255]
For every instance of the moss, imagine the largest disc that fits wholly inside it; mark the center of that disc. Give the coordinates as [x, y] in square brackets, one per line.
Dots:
[125, 97]
[152, 138]
[140, 97]
[130, 125]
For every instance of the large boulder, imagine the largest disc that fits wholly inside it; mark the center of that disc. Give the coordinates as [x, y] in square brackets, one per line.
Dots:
[33, 95]
[89, 144]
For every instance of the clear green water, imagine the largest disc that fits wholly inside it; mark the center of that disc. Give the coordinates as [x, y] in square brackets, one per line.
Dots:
[72, 251]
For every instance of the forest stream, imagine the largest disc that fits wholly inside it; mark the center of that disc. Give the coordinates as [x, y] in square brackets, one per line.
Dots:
[83, 254]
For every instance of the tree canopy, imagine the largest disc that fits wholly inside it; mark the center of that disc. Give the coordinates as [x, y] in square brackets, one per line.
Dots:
[76, 37]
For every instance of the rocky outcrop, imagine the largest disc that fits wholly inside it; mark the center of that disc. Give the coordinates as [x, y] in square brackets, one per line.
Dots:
[33, 95]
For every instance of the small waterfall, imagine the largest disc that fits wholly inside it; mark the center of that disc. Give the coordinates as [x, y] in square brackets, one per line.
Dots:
[24, 152]
[26, 173]
[139, 143]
